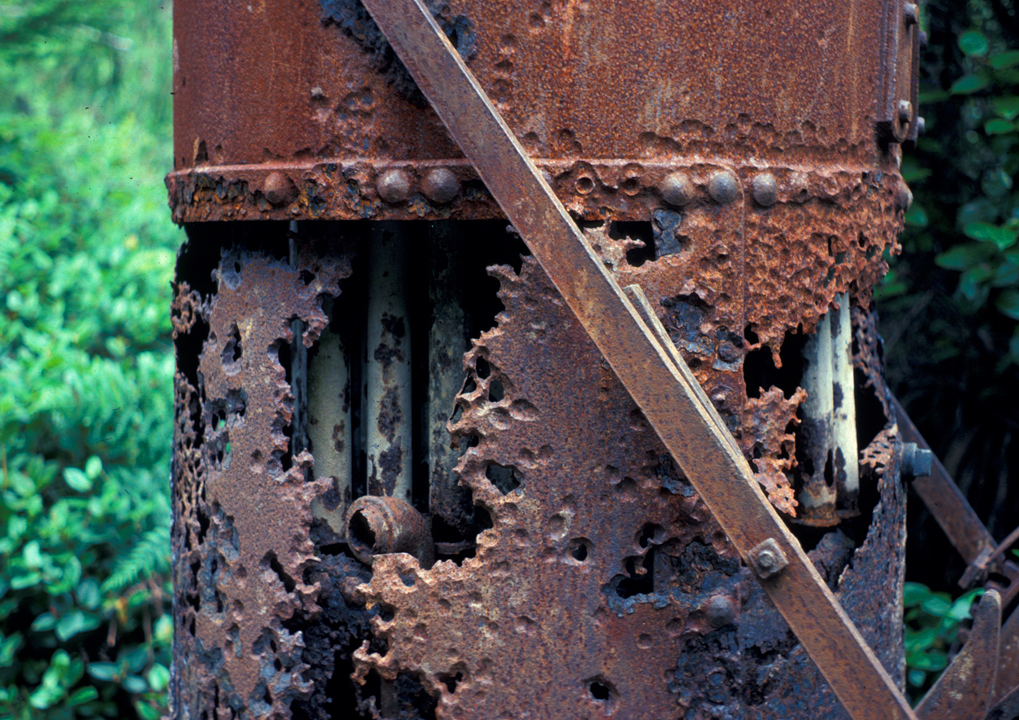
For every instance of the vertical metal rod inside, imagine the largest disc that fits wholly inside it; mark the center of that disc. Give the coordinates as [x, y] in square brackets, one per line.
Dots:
[448, 340]
[816, 497]
[298, 366]
[388, 367]
[846, 460]
[329, 427]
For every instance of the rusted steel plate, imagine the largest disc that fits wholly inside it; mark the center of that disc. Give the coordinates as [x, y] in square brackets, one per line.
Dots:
[964, 690]
[720, 474]
[293, 109]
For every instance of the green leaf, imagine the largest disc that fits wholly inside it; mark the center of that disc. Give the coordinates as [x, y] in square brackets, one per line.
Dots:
[920, 641]
[917, 678]
[1008, 304]
[93, 466]
[998, 126]
[932, 660]
[83, 695]
[104, 671]
[32, 555]
[135, 684]
[937, 604]
[1007, 106]
[158, 677]
[1006, 59]
[969, 84]
[961, 257]
[973, 43]
[961, 607]
[916, 216]
[1001, 237]
[77, 480]
[914, 593]
[44, 622]
[88, 594]
[70, 625]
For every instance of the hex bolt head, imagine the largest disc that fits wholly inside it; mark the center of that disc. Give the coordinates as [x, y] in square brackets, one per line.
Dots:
[676, 189]
[440, 186]
[719, 611]
[765, 190]
[723, 187]
[767, 559]
[916, 461]
[394, 186]
[277, 188]
[905, 110]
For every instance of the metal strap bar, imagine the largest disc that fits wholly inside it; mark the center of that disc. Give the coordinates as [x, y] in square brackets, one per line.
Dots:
[688, 428]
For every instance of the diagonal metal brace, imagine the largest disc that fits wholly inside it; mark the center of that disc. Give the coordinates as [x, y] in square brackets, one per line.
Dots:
[653, 374]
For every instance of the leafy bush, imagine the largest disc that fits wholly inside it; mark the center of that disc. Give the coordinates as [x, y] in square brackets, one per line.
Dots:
[86, 258]
[932, 626]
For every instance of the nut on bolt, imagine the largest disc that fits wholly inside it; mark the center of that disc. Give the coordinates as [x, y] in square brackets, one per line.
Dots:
[905, 110]
[723, 187]
[676, 189]
[394, 186]
[440, 186]
[767, 559]
[916, 461]
[765, 190]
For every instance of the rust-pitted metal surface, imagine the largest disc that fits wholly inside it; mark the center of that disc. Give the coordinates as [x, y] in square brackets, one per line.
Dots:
[727, 159]
[295, 109]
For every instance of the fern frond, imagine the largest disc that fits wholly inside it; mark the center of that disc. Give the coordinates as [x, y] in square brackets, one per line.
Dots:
[149, 556]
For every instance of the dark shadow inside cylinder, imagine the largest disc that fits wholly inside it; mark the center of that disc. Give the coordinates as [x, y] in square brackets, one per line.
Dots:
[360, 535]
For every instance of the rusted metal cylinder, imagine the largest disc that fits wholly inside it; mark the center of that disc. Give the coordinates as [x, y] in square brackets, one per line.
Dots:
[737, 162]
[383, 525]
[389, 410]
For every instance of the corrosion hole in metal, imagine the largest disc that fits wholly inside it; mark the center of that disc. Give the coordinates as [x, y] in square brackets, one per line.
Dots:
[482, 368]
[634, 231]
[232, 349]
[580, 549]
[282, 352]
[271, 562]
[505, 477]
[451, 681]
[639, 580]
[651, 534]
[496, 391]
[601, 690]
[760, 372]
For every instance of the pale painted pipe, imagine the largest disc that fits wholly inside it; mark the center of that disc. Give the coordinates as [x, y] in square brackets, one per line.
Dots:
[388, 366]
[816, 498]
[329, 427]
[847, 465]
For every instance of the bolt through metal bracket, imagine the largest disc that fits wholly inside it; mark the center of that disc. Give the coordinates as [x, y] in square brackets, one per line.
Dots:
[767, 559]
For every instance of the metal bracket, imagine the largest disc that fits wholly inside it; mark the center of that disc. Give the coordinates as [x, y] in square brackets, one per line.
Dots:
[900, 64]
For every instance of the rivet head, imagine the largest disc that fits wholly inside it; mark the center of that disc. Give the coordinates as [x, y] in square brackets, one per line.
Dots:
[905, 110]
[394, 186]
[767, 559]
[676, 189]
[765, 190]
[728, 352]
[719, 611]
[723, 187]
[277, 188]
[440, 186]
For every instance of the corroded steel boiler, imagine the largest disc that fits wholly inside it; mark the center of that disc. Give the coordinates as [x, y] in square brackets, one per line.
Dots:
[406, 482]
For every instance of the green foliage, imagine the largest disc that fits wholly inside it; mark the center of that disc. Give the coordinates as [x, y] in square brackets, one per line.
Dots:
[932, 625]
[972, 221]
[86, 258]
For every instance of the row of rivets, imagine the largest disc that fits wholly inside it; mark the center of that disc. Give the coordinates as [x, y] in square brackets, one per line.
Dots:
[438, 185]
[677, 190]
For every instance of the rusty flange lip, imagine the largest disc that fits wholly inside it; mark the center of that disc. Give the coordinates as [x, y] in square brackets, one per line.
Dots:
[361, 189]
